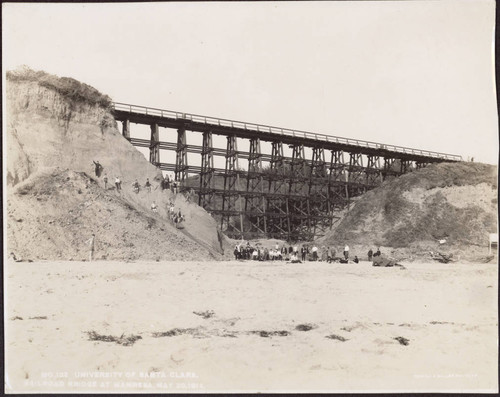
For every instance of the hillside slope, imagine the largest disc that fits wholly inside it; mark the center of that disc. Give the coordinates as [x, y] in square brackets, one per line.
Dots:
[56, 128]
[456, 202]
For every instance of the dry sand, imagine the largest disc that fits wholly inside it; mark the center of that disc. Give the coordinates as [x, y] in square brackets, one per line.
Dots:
[447, 314]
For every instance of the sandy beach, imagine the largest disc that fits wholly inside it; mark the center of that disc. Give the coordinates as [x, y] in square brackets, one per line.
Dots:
[250, 326]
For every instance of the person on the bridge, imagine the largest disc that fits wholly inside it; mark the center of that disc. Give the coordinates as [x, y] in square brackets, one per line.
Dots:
[346, 252]
[148, 185]
[98, 168]
[136, 187]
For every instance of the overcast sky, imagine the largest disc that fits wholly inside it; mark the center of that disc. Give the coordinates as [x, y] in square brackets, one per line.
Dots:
[411, 73]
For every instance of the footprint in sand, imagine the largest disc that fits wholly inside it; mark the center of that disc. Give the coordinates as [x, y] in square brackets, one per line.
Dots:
[178, 356]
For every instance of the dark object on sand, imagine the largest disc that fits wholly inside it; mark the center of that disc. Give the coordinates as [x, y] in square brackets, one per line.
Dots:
[206, 314]
[443, 258]
[122, 340]
[305, 327]
[403, 341]
[343, 261]
[336, 337]
[267, 334]
[380, 261]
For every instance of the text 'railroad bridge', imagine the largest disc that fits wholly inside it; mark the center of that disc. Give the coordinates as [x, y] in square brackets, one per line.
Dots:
[294, 190]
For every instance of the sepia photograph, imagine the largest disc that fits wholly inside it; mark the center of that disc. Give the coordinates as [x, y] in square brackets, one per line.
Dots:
[250, 197]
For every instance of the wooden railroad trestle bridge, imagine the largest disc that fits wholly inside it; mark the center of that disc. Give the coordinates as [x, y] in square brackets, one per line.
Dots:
[286, 197]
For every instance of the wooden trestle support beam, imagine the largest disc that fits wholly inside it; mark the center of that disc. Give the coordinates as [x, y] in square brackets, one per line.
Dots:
[292, 198]
[206, 191]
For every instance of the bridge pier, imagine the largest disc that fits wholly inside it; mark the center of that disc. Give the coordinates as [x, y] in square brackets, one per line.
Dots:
[181, 162]
[206, 192]
[231, 203]
[276, 203]
[255, 206]
[373, 171]
[126, 129]
[356, 174]
[388, 170]
[154, 148]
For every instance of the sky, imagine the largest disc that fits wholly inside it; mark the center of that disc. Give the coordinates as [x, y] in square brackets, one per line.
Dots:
[417, 74]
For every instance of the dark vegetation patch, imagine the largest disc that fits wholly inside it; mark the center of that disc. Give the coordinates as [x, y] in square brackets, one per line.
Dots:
[305, 327]
[336, 337]
[267, 334]
[206, 314]
[67, 87]
[402, 341]
[175, 332]
[122, 340]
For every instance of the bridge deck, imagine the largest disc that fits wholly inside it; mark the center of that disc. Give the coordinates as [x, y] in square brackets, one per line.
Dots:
[193, 122]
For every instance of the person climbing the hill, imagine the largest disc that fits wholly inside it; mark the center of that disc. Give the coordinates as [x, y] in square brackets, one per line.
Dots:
[135, 185]
[370, 255]
[166, 183]
[91, 243]
[105, 179]
[118, 184]
[154, 207]
[148, 185]
[98, 168]
[346, 252]
[189, 193]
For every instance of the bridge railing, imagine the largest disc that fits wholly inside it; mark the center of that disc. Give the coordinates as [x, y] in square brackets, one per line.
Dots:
[277, 130]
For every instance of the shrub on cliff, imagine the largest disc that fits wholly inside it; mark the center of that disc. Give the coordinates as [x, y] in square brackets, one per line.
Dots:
[71, 89]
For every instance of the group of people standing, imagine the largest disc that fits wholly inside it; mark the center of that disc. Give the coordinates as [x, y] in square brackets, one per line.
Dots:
[98, 171]
[295, 254]
[291, 253]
